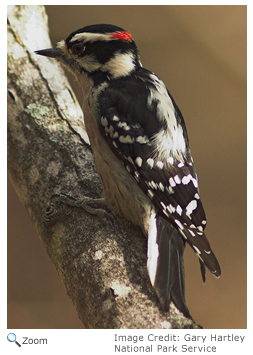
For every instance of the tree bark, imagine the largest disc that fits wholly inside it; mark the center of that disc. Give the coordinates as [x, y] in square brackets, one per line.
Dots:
[101, 261]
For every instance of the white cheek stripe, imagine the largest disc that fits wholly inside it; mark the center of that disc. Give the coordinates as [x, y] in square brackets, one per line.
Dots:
[119, 65]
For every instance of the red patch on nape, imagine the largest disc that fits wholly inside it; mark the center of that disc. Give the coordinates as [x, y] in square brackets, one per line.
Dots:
[123, 36]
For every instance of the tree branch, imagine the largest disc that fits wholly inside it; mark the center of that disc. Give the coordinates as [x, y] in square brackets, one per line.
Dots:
[101, 261]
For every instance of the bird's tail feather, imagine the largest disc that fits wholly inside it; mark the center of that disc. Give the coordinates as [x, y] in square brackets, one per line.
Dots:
[167, 269]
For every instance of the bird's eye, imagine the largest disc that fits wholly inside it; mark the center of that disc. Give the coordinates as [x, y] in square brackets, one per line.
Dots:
[77, 48]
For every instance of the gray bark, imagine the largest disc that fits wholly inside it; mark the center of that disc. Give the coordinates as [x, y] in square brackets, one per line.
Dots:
[101, 261]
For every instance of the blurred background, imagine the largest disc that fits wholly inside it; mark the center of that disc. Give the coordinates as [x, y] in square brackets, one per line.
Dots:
[200, 54]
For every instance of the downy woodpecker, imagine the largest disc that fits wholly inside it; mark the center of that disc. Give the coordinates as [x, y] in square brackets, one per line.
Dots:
[141, 150]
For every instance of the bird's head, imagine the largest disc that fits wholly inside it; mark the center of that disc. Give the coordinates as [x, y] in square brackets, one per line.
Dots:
[105, 48]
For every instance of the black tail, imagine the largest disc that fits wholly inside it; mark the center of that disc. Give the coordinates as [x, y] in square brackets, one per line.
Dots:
[168, 278]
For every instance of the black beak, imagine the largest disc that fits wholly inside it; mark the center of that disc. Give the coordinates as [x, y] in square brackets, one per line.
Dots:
[50, 52]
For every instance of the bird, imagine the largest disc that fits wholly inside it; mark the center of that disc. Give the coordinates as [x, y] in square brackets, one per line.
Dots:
[141, 151]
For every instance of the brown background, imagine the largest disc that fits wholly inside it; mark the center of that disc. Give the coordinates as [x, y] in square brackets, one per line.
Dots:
[200, 53]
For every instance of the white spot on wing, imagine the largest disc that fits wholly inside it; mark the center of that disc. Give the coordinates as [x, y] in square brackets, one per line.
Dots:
[195, 182]
[183, 234]
[150, 193]
[186, 179]
[165, 212]
[104, 121]
[138, 161]
[150, 162]
[172, 208]
[179, 210]
[115, 135]
[163, 205]
[169, 209]
[130, 160]
[179, 224]
[191, 207]
[192, 233]
[170, 190]
[170, 160]
[153, 184]
[142, 139]
[159, 164]
[137, 175]
[172, 182]
[124, 125]
[109, 130]
[177, 179]
[196, 249]
[126, 140]
[161, 187]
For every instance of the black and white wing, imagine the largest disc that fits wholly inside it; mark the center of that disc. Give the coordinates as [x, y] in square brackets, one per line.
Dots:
[147, 133]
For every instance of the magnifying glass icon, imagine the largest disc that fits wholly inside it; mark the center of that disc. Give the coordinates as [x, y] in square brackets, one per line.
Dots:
[12, 338]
